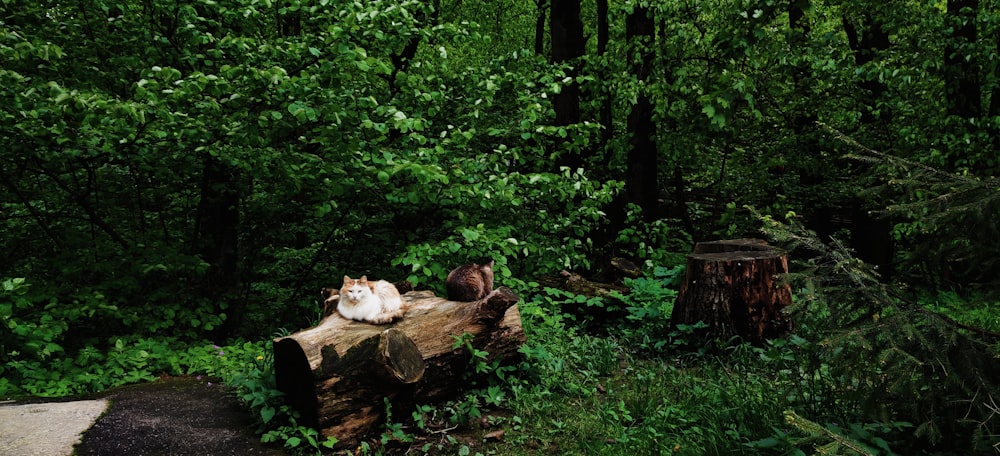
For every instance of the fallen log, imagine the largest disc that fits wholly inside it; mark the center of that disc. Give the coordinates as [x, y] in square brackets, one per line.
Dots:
[732, 285]
[338, 373]
[578, 284]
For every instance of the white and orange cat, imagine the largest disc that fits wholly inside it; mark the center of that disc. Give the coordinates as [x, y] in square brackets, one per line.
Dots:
[375, 302]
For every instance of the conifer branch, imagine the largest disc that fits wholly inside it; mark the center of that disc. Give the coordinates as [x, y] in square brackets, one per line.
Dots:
[949, 218]
[886, 340]
[815, 430]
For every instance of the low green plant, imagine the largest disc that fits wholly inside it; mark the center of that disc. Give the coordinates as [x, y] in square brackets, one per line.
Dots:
[297, 438]
[394, 432]
[477, 358]
[254, 384]
[247, 368]
[90, 369]
[655, 242]
[974, 309]
[653, 298]
[49, 348]
[649, 303]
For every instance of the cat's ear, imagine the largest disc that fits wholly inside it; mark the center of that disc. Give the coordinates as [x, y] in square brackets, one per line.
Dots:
[347, 279]
[363, 279]
[490, 264]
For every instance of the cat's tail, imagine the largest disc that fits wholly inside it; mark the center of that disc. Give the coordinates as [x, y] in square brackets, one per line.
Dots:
[388, 317]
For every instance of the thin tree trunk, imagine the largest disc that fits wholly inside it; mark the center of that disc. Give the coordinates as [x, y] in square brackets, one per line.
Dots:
[867, 43]
[540, 27]
[798, 35]
[607, 119]
[961, 66]
[217, 230]
[566, 30]
[995, 94]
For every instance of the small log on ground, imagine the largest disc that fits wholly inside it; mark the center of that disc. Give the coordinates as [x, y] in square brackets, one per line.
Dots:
[732, 285]
[578, 284]
[338, 373]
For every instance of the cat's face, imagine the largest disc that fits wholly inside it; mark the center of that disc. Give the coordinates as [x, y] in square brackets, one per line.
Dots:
[355, 290]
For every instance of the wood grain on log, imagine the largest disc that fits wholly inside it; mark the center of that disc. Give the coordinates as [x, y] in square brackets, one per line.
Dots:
[338, 373]
[733, 286]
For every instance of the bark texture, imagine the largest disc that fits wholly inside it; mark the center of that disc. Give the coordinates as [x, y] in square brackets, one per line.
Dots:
[732, 286]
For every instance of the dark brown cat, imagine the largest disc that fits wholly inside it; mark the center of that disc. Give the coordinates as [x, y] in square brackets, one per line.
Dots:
[470, 282]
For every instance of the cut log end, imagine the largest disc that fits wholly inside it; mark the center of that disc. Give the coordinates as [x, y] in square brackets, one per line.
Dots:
[338, 373]
[401, 357]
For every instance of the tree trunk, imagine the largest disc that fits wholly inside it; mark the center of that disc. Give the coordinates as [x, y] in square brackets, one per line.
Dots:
[217, 236]
[732, 286]
[607, 101]
[798, 39]
[867, 39]
[641, 186]
[567, 43]
[542, 7]
[994, 106]
[961, 67]
[338, 373]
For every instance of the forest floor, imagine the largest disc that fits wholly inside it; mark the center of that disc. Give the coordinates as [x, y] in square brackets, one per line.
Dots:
[170, 416]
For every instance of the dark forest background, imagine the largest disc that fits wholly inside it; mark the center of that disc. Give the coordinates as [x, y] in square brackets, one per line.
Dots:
[195, 170]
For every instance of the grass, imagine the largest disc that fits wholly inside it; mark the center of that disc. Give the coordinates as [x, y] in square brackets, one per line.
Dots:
[580, 393]
[605, 400]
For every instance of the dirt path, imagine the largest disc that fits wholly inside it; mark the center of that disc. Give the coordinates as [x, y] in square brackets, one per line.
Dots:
[173, 416]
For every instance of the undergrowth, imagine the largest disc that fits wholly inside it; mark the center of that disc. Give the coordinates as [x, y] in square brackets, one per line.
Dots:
[611, 376]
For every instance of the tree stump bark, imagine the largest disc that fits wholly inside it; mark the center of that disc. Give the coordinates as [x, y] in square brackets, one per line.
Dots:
[732, 286]
[338, 373]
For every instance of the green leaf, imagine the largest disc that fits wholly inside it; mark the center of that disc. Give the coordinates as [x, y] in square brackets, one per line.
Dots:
[267, 413]
[470, 235]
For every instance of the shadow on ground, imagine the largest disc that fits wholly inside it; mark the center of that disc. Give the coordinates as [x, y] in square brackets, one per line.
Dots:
[173, 416]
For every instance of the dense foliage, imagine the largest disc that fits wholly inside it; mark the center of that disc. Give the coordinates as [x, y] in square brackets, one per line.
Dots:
[182, 174]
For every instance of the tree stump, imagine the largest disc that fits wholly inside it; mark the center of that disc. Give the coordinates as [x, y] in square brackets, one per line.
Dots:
[338, 373]
[732, 286]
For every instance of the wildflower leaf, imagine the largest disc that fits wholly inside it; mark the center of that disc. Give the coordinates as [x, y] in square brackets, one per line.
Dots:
[266, 414]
